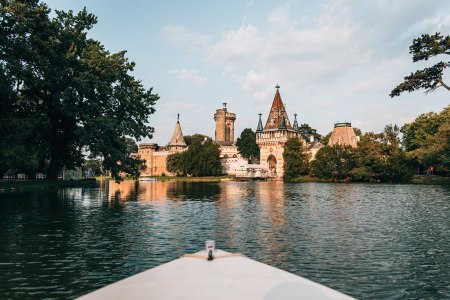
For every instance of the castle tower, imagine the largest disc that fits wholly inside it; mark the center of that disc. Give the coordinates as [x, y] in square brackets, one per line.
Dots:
[177, 142]
[224, 126]
[273, 136]
[343, 135]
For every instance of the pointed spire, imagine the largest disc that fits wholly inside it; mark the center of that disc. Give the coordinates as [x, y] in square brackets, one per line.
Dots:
[276, 112]
[260, 126]
[177, 140]
[295, 126]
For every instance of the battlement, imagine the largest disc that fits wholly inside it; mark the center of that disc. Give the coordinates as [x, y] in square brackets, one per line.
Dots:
[342, 124]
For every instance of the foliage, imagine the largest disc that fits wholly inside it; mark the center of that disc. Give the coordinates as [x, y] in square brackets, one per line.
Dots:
[201, 159]
[66, 93]
[94, 165]
[426, 140]
[306, 132]
[325, 138]
[416, 134]
[380, 158]
[423, 48]
[247, 146]
[175, 164]
[333, 162]
[435, 150]
[296, 160]
[357, 131]
[190, 139]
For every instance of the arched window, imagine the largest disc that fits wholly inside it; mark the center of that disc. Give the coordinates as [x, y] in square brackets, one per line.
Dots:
[227, 133]
[272, 161]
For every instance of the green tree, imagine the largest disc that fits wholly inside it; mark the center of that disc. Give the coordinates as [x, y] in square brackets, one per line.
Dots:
[72, 93]
[201, 159]
[307, 131]
[423, 48]
[175, 164]
[416, 133]
[94, 165]
[296, 160]
[189, 139]
[247, 146]
[442, 147]
[325, 138]
[379, 157]
[435, 150]
[333, 162]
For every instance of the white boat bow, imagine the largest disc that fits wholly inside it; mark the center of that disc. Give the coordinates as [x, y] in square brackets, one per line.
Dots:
[227, 276]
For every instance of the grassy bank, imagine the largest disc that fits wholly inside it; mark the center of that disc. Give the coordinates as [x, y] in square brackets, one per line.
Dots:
[25, 185]
[423, 179]
[430, 179]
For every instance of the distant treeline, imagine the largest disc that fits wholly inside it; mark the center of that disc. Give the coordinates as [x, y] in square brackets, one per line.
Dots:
[394, 155]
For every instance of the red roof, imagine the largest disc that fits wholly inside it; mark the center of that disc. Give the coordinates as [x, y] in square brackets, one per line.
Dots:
[276, 112]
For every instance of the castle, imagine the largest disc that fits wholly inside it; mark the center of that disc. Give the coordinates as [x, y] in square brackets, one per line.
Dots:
[270, 139]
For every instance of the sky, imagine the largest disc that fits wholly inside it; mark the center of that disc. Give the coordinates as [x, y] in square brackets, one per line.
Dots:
[334, 60]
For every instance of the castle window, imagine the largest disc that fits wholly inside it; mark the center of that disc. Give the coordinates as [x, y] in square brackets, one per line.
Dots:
[227, 133]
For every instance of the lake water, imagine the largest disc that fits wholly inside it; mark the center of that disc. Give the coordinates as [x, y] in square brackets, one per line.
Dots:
[369, 241]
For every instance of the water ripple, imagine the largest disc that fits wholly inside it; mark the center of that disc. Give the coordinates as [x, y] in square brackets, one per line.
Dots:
[370, 241]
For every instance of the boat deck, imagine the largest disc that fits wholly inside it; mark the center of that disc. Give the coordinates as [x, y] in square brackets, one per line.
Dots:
[228, 276]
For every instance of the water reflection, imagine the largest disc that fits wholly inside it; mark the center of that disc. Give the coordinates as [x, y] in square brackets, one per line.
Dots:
[159, 192]
[371, 241]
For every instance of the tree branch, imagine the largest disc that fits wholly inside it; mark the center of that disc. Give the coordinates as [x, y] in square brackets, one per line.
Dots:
[443, 84]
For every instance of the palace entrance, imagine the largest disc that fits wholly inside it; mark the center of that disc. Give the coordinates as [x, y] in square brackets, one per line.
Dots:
[272, 161]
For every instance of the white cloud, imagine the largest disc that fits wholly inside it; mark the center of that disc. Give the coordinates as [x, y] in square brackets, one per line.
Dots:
[190, 75]
[335, 64]
[236, 45]
[180, 36]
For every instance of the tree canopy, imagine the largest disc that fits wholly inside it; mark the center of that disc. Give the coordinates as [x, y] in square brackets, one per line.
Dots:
[427, 139]
[201, 159]
[424, 48]
[333, 162]
[66, 93]
[307, 131]
[247, 146]
[197, 137]
[296, 160]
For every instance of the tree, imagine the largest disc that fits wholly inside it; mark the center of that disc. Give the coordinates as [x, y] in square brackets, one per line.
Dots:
[296, 160]
[175, 164]
[325, 138]
[379, 157]
[74, 95]
[307, 131]
[416, 133]
[201, 159]
[430, 79]
[333, 162]
[435, 150]
[189, 139]
[247, 146]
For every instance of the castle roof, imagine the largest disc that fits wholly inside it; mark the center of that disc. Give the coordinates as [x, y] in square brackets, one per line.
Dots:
[278, 118]
[177, 139]
[343, 135]
[295, 126]
[260, 126]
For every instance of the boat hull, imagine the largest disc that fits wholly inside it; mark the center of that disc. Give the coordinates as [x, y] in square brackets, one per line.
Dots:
[228, 276]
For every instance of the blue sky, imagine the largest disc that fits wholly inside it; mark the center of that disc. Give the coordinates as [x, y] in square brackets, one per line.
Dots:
[334, 60]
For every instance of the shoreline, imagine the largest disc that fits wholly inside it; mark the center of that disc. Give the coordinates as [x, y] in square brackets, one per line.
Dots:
[26, 185]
